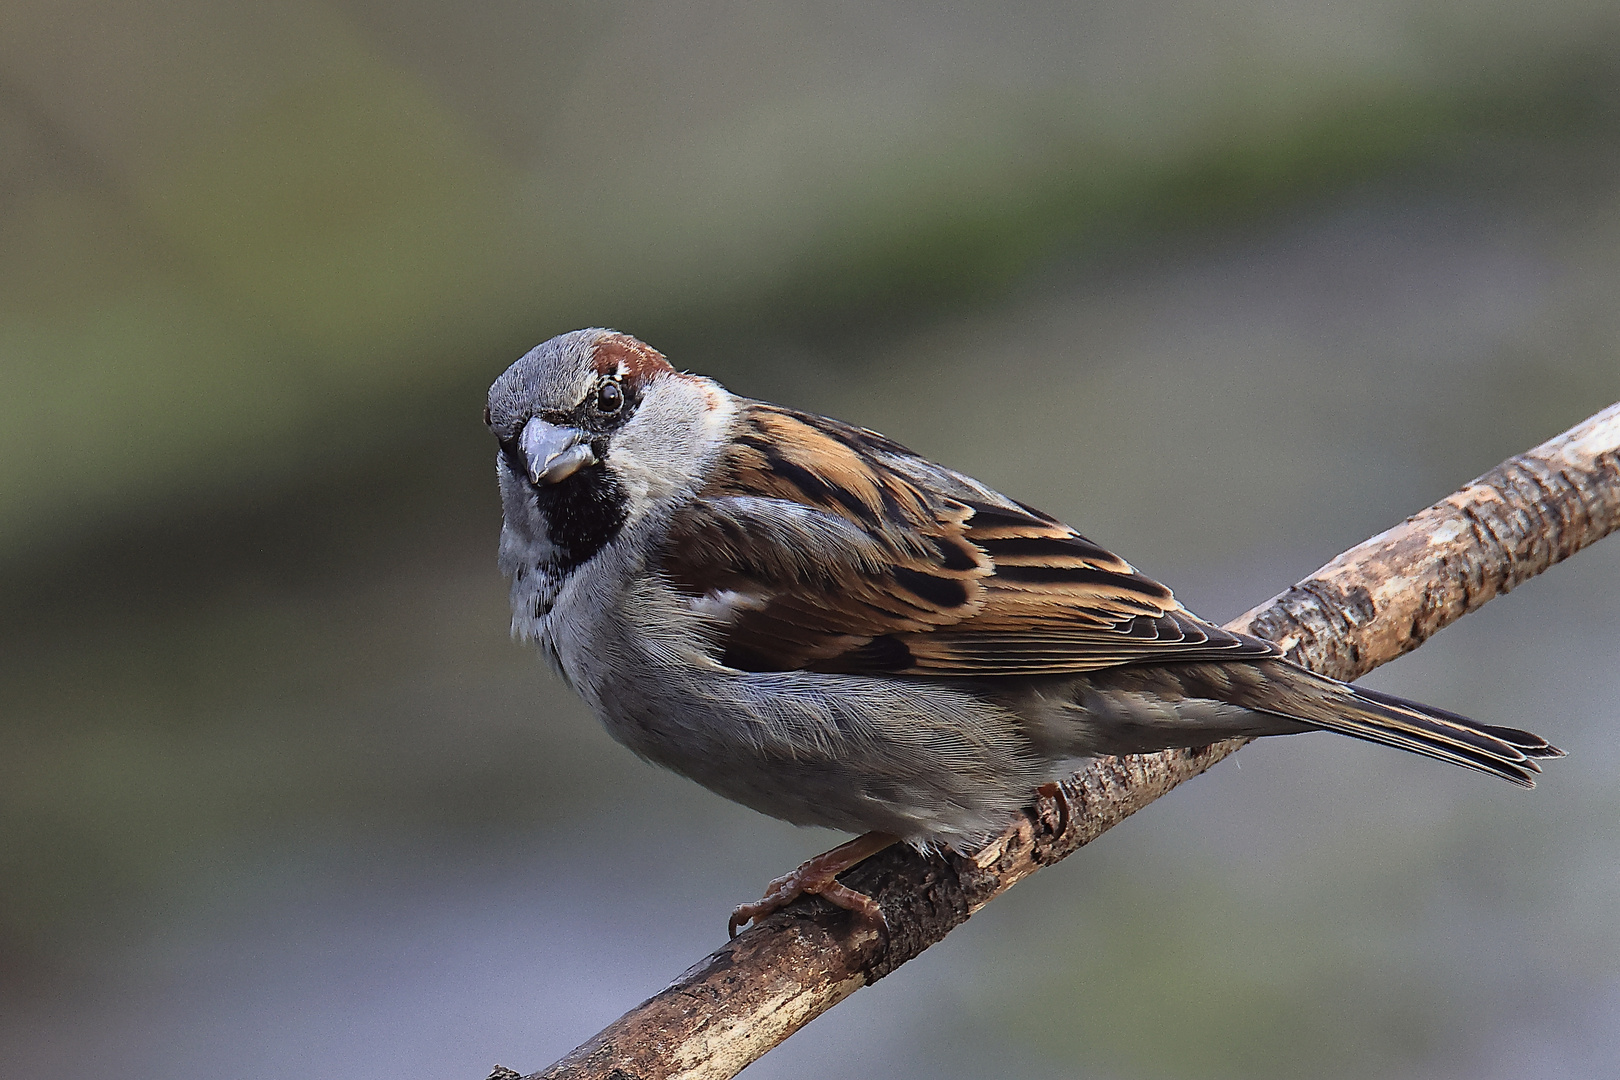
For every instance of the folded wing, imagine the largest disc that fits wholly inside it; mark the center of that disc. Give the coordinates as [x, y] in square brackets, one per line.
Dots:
[821, 546]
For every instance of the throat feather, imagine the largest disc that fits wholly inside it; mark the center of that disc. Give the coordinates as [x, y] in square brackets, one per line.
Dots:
[583, 513]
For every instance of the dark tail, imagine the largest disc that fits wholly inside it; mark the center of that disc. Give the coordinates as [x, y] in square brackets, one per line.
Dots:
[1297, 694]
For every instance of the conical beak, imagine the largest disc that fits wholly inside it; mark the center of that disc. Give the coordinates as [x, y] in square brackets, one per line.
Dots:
[553, 453]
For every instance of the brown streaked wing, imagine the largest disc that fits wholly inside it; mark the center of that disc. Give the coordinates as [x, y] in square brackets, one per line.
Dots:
[815, 548]
[1058, 604]
[828, 549]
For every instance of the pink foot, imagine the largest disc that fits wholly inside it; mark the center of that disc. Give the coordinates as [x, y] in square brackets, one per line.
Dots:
[818, 876]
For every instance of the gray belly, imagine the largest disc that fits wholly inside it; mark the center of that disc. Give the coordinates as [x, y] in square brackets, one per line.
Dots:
[923, 760]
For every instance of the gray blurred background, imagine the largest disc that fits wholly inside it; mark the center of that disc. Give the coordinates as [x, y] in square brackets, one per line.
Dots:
[1230, 286]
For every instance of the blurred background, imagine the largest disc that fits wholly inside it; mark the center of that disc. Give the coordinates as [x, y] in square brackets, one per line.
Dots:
[1231, 286]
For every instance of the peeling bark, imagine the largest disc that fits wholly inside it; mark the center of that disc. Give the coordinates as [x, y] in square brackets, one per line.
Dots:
[1380, 599]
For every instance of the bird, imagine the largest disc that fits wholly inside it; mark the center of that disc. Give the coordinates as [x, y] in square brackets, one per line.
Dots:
[807, 618]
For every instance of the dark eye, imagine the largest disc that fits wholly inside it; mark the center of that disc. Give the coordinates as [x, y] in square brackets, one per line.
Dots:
[609, 399]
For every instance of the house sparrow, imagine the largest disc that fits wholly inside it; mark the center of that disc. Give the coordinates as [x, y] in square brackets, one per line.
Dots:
[810, 619]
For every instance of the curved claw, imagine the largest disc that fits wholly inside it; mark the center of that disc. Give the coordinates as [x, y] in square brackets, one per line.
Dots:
[1060, 798]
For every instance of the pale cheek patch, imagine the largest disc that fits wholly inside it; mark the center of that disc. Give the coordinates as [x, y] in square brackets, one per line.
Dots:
[675, 434]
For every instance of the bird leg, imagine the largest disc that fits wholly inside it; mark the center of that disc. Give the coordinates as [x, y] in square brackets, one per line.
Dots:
[819, 876]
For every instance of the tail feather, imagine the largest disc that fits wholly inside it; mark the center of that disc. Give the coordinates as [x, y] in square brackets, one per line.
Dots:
[1527, 743]
[1383, 718]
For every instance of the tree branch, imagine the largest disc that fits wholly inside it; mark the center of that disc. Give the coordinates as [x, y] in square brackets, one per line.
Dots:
[1375, 602]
